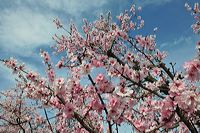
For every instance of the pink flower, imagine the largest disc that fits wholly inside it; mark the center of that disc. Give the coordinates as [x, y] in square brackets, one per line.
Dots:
[45, 55]
[129, 57]
[160, 55]
[51, 75]
[96, 105]
[100, 77]
[196, 27]
[132, 25]
[156, 71]
[32, 76]
[136, 76]
[140, 40]
[59, 84]
[114, 102]
[112, 61]
[112, 112]
[68, 110]
[60, 63]
[167, 108]
[176, 87]
[120, 17]
[192, 70]
[186, 101]
[141, 125]
[86, 68]
[96, 63]
[55, 102]
[119, 120]
[12, 63]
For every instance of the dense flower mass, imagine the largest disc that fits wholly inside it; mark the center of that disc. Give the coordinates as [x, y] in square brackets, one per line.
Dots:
[113, 78]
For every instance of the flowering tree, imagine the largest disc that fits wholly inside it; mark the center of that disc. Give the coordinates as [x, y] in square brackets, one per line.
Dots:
[132, 85]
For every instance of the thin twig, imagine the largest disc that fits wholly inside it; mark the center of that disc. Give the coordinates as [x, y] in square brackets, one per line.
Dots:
[48, 120]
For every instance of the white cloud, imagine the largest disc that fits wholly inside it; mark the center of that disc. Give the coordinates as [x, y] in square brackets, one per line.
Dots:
[74, 7]
[180, 50]
[28, 24]
[22, 30]
[152, 2]
[181, 41]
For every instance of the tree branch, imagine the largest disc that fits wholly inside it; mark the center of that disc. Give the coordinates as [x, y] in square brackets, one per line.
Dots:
[102, 102]
[47, 118]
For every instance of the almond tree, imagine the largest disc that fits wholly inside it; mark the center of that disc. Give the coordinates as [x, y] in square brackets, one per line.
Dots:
[113, 77]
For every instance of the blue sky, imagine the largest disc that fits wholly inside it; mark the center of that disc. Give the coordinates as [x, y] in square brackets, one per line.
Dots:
[26, 26]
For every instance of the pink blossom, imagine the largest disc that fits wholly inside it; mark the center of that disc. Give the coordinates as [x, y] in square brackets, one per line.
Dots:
[32, 76]
[68, 110]
[192, 70]
[55, 102]
[160, 55]
[45, 55]
[141, 125]
[132, 25]
[96, 105]
[176, 87]
[114, 102]
[140, 40]
[60, 63]
[96, 63]
[100, 77]
[86, 68]
[156, 71]
[51, 75]
[186, 101]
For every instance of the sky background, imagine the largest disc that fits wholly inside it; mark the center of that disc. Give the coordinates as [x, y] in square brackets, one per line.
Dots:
[26, 26]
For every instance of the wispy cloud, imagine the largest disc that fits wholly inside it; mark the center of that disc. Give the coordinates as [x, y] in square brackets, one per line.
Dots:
[23, 30]
[180, 50]
[153, 2]
[178, 42]
[74, 7]
[27, 25]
